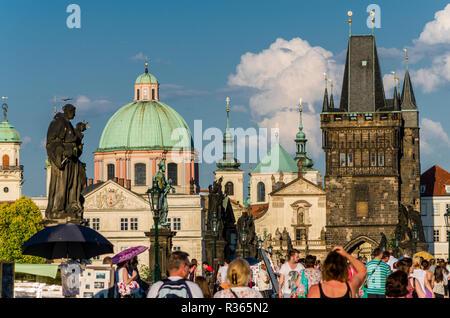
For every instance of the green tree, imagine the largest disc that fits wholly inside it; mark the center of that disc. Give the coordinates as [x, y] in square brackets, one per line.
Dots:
[18, 222]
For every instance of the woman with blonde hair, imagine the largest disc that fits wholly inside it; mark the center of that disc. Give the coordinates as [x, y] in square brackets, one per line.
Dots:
[421, 285]
[238, 275]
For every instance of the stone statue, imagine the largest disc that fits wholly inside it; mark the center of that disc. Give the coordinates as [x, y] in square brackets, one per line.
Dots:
[165, 186]
[383, 243]
[246, 222]
[68, 174]
[219, 204]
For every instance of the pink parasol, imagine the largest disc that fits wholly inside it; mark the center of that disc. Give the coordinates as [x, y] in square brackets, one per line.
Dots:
[128, 254]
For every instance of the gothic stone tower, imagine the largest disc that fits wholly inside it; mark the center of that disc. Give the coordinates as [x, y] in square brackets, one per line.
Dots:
[372, 154]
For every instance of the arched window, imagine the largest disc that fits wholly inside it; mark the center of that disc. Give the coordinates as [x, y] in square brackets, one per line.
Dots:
[111, 171]
[5, 160]
[261, 188]
[172, 172]
[140, 174]
[229, 188]
[153, 94]
[138, 94]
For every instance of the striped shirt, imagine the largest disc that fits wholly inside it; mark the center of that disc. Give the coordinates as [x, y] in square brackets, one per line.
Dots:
[376, 277]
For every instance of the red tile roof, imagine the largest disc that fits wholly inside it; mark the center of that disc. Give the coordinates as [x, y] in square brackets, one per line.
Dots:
[434, 179]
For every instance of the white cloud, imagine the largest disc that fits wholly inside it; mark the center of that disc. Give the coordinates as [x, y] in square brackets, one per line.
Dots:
[432, 136]
[239, 108]
[281, 74]
[438, 74]
[139, 57]
[438, 30]
[84, 104]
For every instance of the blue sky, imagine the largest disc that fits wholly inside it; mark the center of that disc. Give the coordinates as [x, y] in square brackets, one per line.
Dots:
[196, 51]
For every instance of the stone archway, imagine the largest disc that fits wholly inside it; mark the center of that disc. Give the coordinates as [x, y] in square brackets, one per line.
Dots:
[362, 246]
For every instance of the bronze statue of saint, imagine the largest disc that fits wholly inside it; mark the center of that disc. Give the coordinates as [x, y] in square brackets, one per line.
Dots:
[68, 174]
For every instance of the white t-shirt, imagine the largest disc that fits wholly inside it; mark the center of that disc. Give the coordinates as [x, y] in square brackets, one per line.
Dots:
[261, 280]
[193, 287]
[392, 260]
[290, 276]
[420, 275]
[222, 273]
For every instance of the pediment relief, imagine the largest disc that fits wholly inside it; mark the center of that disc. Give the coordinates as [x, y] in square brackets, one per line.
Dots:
[113, 196]
[298, 187]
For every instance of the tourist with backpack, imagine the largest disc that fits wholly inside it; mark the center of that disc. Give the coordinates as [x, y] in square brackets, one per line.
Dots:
[176, 285]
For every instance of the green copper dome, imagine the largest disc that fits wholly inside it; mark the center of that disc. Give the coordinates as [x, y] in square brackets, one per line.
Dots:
[146, 125]
[146, 78]
[276, 160]
[8, 133]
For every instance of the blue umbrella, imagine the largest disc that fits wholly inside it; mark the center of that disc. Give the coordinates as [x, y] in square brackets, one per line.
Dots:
[67, 241]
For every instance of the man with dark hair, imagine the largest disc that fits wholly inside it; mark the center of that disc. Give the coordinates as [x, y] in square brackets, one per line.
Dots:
[377, 272]
[289, 273]
[397, 285]
[176, 285]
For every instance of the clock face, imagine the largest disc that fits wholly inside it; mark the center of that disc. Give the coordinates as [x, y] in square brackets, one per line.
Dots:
[5, 189]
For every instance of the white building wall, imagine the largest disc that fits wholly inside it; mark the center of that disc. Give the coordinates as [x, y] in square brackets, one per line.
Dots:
[432, 214]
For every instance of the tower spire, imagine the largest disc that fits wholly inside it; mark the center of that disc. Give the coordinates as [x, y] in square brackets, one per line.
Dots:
[325, 95]
[300, 142]
[331, 95]
[228, 162]
[146, 66]
[228, 111]
[349, 13]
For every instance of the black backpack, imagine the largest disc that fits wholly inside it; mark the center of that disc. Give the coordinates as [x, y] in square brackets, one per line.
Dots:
[174, 289]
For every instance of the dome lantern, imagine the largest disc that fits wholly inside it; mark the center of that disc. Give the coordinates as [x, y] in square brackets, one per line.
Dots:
[146, 87]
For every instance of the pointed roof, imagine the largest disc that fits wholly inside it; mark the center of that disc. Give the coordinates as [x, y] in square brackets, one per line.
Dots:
[362, 86]
[325, 101]
[395, 100]
[276, 160]
[434, 179]
[408, 99]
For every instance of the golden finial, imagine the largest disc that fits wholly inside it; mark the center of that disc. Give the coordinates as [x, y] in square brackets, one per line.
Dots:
[228, 104]
[350, 13]
[373, 20]
[277, 129]
[331, 85]
[300, 104]
[146, 66]
[406, 57]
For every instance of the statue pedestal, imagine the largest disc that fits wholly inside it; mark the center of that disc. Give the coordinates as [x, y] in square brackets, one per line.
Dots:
[165, 247]
[209, 246]
[68, 220]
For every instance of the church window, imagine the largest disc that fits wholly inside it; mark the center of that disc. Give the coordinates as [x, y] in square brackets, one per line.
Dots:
[140, 174]
[373, 159]
[145, 94]
[261, 192]
[350, 159]
[111, 171]
[124, 224]
[153, 94]
[133, 224]
[172, 172]
[137, 95]
[381, 159]
[342, 159]
[5, 161]
[229, 188]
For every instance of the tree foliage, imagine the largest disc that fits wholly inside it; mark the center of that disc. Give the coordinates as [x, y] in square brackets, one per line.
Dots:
[18, 222]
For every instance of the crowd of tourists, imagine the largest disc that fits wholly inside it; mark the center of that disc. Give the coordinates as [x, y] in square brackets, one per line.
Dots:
[340, 276]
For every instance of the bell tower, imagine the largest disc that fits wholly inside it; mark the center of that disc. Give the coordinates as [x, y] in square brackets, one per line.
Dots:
[11, 172]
